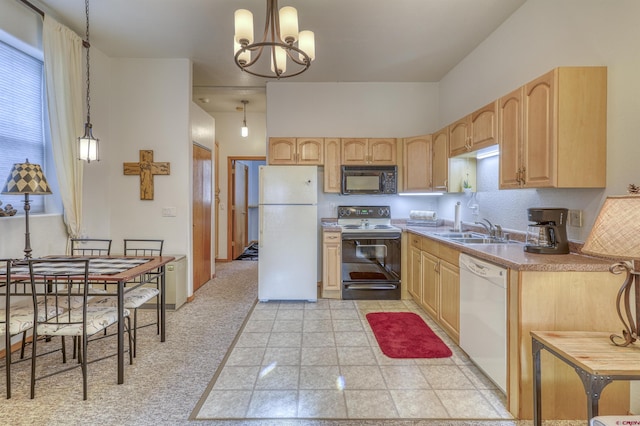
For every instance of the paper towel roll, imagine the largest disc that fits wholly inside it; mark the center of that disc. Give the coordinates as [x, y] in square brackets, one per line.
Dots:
[423, 214]
[457, 225]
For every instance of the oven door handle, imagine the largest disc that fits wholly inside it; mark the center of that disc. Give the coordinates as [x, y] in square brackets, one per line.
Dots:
[371, 236]
[371, 286]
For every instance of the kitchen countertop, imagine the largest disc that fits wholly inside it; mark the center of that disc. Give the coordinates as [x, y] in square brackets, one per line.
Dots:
[510, 255]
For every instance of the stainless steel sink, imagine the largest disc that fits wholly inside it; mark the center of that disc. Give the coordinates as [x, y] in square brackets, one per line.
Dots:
[451, 235]
[471, 238]
[484, 240]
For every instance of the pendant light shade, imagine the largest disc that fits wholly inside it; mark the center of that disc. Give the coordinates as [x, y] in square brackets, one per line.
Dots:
[244, 131]
[87, 144]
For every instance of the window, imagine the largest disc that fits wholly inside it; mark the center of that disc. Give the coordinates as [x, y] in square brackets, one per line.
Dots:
[21, 118]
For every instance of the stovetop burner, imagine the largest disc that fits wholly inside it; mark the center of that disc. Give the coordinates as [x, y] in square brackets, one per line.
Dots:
[365, 219]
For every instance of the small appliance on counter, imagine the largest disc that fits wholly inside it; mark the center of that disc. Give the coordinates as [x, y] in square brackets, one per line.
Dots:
[548, 233]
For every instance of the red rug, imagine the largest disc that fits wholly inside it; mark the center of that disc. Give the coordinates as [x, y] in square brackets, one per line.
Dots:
[405, 335]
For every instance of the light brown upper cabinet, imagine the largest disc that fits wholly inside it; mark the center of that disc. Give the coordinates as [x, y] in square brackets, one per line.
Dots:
[553, 131]
[332, 165]
[475, 131]
[381, 151]
[417, 164]
[440, 160]
[304, 151]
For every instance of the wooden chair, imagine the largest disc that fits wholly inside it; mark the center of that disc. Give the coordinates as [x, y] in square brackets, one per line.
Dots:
[62, 281]
[90, 247]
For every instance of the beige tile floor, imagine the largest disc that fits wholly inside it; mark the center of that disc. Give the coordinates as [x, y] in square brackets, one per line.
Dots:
[321, 361]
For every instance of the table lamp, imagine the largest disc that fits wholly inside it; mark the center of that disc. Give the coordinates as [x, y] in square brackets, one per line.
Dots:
[26, 178]
[616, 235]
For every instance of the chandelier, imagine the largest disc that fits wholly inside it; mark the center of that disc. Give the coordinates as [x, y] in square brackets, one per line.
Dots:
[281, 39]
[87, 144]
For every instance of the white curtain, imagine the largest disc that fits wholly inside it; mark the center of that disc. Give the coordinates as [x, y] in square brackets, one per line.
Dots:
[64, 81]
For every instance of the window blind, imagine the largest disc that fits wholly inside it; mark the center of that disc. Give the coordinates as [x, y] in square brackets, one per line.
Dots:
[21, 118]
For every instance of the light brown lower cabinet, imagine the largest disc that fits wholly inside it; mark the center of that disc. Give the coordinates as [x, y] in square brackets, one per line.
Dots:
[536, 301]
[550, 301]
[331, 264]
[434, 282]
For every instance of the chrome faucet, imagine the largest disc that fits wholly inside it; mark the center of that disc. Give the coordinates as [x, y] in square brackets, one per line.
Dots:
[494, 231]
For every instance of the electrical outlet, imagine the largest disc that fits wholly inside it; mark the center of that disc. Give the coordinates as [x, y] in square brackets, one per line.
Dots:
[575, 218]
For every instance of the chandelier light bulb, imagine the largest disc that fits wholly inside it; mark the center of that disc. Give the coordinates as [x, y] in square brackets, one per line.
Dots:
[289, 24]
[244, 26]
[243, 57]
[280, 56]
[307, 44]
[244, 131]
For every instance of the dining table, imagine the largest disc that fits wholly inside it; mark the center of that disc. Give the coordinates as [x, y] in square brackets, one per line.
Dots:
[118, 274]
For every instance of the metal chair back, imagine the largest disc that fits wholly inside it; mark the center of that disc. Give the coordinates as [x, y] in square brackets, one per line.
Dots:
[142, 247]
[90, 247]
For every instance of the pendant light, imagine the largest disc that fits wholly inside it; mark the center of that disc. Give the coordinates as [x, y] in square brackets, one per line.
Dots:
[282, 40]
[87, 144]
[245, 130]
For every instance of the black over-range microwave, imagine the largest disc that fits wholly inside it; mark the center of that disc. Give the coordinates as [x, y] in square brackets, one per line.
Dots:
[372, 180]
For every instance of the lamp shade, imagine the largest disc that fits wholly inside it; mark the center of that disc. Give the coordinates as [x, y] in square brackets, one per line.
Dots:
[616, 231]
[26, 178]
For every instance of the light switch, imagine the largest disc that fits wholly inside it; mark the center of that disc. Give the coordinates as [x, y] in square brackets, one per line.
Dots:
[168, 212]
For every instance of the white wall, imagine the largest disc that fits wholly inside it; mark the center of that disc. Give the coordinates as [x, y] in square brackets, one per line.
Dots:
[351, 109]
[538, 37]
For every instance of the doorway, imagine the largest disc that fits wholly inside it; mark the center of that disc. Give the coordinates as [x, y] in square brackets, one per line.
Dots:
[243, 190]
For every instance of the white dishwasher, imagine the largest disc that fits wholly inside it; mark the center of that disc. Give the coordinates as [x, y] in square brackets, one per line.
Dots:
[483, 316]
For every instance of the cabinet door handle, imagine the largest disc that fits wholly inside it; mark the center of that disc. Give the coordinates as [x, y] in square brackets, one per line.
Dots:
[522, 179]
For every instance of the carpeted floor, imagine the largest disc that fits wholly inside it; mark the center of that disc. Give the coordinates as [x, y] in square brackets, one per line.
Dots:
[167, 380]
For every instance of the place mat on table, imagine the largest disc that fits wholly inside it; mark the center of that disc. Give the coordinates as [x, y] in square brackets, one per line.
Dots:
[97, 266]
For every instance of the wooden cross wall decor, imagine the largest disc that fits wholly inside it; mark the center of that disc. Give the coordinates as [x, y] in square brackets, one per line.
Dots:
[146, 168]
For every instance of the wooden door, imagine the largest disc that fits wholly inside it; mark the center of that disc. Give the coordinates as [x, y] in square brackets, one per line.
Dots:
[382, 151]
[484, 126]
[332, 178]
[202, 169]
[282, 151]
[429, 265]
[459, 141]
[354, 151]
[510, 138]
[415, 272]
[240, 174]
[449, 311]
[310, 151]
[440, 161]
[331, 256]
[417, 164]
[539, 141]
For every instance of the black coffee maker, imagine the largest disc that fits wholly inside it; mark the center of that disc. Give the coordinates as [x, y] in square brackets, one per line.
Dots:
[548, 233]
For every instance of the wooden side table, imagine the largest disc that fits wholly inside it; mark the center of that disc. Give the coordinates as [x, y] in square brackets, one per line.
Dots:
[597, 361]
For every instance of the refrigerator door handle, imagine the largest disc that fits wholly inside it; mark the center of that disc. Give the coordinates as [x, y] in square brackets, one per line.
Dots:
[260, 227]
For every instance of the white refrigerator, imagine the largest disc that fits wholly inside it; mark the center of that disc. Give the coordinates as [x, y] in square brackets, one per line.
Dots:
[288, 246]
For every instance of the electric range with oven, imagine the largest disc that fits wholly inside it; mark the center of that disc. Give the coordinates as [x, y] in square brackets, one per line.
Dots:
[370, 253]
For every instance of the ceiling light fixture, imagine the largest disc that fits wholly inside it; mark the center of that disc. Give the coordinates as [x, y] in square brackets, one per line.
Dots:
[280, 37]
[87, 144]
[245, 130]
